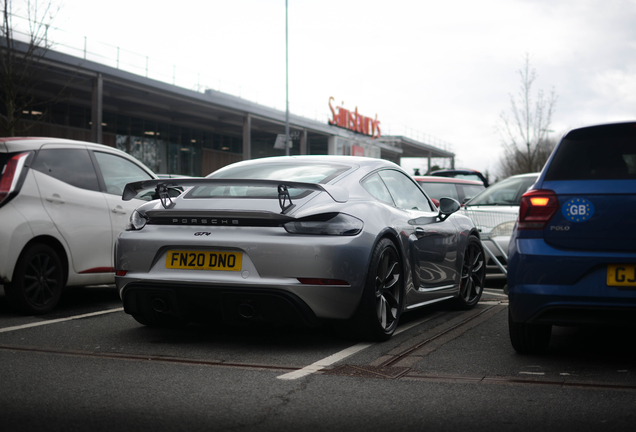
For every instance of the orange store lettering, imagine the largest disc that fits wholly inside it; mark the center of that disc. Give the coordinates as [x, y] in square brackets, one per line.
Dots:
[354, 121]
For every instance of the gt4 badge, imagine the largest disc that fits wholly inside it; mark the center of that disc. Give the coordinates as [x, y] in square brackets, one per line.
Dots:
[578, 210]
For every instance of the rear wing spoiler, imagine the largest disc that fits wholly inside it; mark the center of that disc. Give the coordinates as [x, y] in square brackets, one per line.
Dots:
[161, 186]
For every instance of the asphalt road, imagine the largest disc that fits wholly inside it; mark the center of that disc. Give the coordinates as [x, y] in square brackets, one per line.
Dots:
[90, 367]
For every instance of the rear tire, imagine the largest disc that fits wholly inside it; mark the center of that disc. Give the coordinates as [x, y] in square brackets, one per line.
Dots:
[38, 281]
[473, 275]
[382, 300]
[529, 338]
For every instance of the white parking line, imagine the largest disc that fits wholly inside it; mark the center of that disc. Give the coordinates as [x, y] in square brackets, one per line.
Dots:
[328, 361]
[41, 323]
[495, 292]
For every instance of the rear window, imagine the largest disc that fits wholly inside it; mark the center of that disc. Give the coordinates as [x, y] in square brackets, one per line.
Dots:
[72, 166]
[300, 172]
[471, 190]
[507, 192]
[597, 153]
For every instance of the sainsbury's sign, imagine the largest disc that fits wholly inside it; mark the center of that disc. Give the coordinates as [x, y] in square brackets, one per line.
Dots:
[354, 121]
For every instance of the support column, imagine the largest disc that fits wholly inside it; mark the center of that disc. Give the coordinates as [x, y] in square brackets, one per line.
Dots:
[247, 137]
[97, 110]
[303, 142]
[332, 145]
[428, 171]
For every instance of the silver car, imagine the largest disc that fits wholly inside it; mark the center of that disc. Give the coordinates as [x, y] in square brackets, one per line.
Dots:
[495, 211]
[308, 239]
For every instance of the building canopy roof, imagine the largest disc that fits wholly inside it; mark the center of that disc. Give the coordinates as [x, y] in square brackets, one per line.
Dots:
[134, 95]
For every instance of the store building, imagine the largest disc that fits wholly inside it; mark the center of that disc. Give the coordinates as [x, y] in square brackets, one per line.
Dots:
[180, 131]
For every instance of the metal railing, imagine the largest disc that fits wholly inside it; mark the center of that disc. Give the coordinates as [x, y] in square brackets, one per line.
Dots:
[119, 58]
[492, 224]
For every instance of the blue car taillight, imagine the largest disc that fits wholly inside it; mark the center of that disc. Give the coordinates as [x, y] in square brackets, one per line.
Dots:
[537, 208]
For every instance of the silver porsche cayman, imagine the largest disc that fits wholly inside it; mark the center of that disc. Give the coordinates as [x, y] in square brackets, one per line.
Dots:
[303, 239]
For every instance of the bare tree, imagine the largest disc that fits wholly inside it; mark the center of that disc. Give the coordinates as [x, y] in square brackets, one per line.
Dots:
[525, 135]
[22, 51]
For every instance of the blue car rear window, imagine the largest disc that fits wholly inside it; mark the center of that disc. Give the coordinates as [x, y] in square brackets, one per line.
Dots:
[597, 153]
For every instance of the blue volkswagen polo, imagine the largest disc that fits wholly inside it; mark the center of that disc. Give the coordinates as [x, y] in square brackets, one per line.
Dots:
[572, 256]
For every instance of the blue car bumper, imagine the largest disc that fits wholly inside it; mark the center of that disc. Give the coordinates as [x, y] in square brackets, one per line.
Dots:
[560, 287]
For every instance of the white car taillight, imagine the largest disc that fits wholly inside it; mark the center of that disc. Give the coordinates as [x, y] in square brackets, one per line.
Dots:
[10, 175]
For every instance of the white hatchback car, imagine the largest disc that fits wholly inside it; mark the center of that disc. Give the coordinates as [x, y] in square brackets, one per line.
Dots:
[61, 211]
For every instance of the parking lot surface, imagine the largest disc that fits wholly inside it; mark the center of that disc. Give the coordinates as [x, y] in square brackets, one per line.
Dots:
[88, 365]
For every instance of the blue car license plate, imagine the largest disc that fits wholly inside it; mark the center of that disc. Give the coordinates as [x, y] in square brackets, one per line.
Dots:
[621, 275]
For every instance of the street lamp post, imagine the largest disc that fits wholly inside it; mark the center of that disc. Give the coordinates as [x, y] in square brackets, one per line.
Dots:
[286, 85]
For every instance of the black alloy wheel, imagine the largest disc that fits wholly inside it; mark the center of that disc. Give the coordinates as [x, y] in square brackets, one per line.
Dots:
[387, 289]
[38, 281]
[382, 300]
[473, 276]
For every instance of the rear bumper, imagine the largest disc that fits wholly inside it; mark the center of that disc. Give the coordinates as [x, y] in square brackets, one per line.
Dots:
[570, 305]
[552, 286]
[14, 235]
[276, 302]
[272, 263]
[232, 306]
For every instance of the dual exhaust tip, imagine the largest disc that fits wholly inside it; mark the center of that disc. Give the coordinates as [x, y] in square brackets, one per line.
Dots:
[159, 305]
[246, 310]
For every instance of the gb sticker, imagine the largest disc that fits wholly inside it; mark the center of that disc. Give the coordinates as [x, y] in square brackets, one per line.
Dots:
[578, 210]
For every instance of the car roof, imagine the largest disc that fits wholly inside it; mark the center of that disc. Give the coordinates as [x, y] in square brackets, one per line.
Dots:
[351, 161]
[33, 143]
[524, 175]
[356, 160]
[457, 170]
[435, 179]
[20, 144]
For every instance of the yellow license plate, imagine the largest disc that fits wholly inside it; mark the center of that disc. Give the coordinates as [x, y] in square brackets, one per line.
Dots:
[621, 275]
[197, 260]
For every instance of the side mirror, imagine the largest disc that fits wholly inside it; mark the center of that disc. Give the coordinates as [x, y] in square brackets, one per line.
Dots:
[447, 206]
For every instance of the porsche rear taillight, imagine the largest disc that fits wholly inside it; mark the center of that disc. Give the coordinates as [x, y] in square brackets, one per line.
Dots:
[537, 208]
[10, 175]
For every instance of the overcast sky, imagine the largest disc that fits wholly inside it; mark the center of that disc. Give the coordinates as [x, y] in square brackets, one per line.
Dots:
[443, 68]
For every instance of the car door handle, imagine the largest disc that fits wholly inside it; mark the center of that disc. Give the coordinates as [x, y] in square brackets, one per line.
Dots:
[55, 198]
[118, 210]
